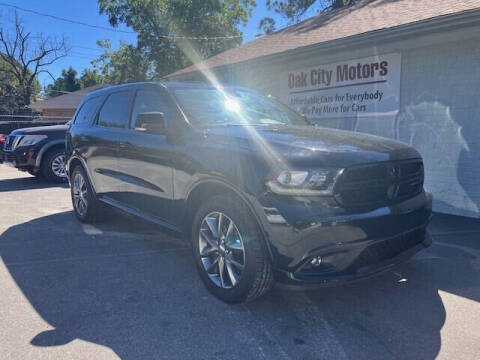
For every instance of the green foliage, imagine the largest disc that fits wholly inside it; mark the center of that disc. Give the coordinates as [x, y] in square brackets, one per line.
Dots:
[156, 21]
[291, 9]
[294, 10]
[127, 64]
[8, 90]
[11, 93]
[68, 82]
[267, 24]
[90, 78]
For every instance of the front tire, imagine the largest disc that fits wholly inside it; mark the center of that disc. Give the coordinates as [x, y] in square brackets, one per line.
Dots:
[86, 206]
[229, 251]
[53, 165]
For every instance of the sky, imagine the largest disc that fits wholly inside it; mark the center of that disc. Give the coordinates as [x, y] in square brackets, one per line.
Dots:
[81, 39]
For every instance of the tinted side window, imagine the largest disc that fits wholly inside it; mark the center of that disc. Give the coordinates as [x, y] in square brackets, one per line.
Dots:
[87, 111]
[148, 101]
[115, 110]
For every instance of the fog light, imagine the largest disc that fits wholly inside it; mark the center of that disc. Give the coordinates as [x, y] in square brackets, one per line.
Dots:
[316, 261]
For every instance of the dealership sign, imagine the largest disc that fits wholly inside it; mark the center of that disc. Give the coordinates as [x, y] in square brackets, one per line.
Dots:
[359, 87]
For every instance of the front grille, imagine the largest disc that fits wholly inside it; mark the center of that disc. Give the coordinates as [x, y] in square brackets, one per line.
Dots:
[380, 183]
[9, 141]
[7, 157]
[388, 249]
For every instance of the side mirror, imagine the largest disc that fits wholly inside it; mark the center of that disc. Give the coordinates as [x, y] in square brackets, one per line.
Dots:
[150, 122]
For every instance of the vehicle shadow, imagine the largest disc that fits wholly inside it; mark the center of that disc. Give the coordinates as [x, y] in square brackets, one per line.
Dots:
[136, 291]
[28, 182]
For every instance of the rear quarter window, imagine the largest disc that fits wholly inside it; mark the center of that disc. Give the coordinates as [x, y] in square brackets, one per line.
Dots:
[87, 111]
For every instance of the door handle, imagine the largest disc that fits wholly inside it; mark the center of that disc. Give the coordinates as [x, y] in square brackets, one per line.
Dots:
[123, 145]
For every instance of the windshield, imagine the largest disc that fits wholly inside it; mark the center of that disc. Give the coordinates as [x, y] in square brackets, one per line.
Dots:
[211, 107]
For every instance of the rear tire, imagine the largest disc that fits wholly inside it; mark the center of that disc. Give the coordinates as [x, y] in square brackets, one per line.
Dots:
[245, 276]
[53, 165]
[86, 206]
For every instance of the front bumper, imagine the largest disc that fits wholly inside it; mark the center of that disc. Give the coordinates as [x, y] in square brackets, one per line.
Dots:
[23, 158]
[349, 246]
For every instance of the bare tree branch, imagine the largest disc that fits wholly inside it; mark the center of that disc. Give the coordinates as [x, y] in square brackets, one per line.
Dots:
[23, 62]
[48, 72]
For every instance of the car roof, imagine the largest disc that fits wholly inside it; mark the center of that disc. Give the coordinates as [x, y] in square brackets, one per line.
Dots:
[170, 85]
[199, 85]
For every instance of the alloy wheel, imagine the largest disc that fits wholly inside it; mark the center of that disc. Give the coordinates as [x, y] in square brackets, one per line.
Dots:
[221, 250]
[80, 194]
[58, 166]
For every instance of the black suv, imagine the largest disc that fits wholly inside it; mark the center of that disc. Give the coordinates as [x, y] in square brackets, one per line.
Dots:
[38, 150]
[261, 193]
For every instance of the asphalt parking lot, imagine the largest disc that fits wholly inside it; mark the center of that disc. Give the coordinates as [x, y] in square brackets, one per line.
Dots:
[124, 289]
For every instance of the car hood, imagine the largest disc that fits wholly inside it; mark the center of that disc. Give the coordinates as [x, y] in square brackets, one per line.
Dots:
[43, 130]
[313, 146]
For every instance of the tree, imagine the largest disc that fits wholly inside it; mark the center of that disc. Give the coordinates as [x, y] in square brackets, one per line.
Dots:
[207, 27]
[11, 98]
[293, 10]
[127, 64]
[267, 24]
[67, 82]
[90, 77]
[8, 90]
[27, 56]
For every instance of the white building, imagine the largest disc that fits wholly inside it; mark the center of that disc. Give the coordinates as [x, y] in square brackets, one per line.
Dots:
[404, 69]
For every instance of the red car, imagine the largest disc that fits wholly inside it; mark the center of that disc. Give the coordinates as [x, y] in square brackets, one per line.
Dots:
[2, 141]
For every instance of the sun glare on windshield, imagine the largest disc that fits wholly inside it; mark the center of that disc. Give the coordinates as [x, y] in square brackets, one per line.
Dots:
[232, 105]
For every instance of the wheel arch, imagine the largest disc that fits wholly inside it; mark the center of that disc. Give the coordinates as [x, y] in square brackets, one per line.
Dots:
[46, 148]
[213, 187]
[74, 161]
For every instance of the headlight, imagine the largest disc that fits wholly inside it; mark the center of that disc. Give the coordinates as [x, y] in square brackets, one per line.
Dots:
[318, 182]
[27, 140]
[292, 178]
